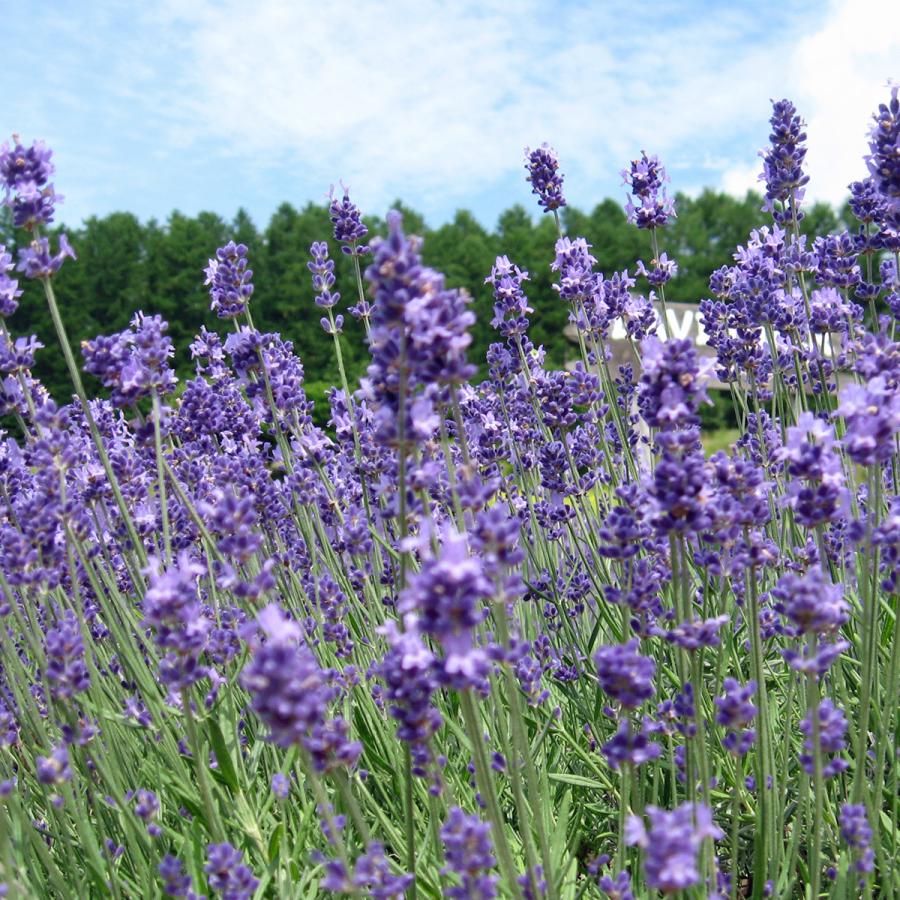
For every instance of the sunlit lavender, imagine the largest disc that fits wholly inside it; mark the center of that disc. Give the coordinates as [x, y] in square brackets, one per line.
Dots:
[519, 637]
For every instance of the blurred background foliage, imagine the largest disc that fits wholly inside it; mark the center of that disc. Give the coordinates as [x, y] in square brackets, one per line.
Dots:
[125, 265]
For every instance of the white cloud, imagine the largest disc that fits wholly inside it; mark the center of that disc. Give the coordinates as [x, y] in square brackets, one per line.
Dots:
[836, 77]
[840, 73]
[434, 101]
[437, 100]
[738, 179]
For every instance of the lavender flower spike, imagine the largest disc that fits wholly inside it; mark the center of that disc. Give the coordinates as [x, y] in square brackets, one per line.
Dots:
[783, 164]
[624, 674]
[349, 229]
[544, 177]
[884, 145]
[646, 177]
[9, 287]
[672, 844]
[229, 280]
[25, 177]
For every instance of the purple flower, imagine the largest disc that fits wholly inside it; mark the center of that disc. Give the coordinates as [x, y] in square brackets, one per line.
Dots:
[829, 311]
[36, 260]
[832, 730]
[578, 282]
[66, 668]
[815, 490]
[227, 874]
[9, 287]
[133, 363]
[147, 808]
[811, 601]
[544, 177]
[54, 769]
[175, 882]
[229, 280]
[872, 417]
[533, 883]
[417, 326]
[18, 356]
[884, 149]
[783, 163]
[631, 747]
[469, 852]
[447, 595]
[624, 674]
[511, 309]
[281, 785]
[672, 844]
[372, 876]
[322, 269]
[618, 888]
[857, 832]
[673, 383]
[837, 260]
[347, 221]
[410, 673]
[815, 661]
[697, 633]
[736, 711]
[646, 177]
[661, 271]
[292, 695]
[25, 175]
[234, 521]
[172, 608]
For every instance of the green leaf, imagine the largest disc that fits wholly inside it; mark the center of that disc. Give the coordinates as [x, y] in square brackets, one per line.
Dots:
[275, 842]
[576, 780]
[226, 769]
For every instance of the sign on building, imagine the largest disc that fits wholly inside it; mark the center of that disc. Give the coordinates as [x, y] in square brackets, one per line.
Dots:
[684, 322]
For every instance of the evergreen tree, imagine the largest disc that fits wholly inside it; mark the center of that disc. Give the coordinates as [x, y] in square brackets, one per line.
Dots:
[125, 265]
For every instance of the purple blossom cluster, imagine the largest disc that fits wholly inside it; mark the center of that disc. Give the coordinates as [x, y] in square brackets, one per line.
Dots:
[9, 287]
[649, 206]
[447, 599]
[349, 229]
[544, 177]
[133, 364]
[672, 843]
[418, 339]
[469, 852]
[27, 190]
[735, 712]
[783, 163]
[292, 695]
[230, 281]
[625, 675]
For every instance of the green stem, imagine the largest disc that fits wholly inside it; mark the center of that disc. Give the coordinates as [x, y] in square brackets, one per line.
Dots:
[766, 833]
[160, 476]
[736, 822]
[812, 703]
[97, 438]
[485, 784]
[200, 767]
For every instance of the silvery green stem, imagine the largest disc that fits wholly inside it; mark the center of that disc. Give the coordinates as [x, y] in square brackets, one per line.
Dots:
[654, 243]
[485, 783]
[200, 766]
[812, 703]
[75, 375]
[160, 477]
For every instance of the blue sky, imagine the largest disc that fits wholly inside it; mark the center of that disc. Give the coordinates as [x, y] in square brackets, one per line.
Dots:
[216, 105]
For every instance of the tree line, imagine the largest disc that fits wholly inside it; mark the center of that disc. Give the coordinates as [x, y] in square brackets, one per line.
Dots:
[125, 265]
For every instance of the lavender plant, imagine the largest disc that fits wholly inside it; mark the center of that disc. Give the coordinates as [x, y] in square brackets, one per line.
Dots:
[513, 638]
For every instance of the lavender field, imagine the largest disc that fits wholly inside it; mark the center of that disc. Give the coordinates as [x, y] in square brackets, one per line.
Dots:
[518, 638]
